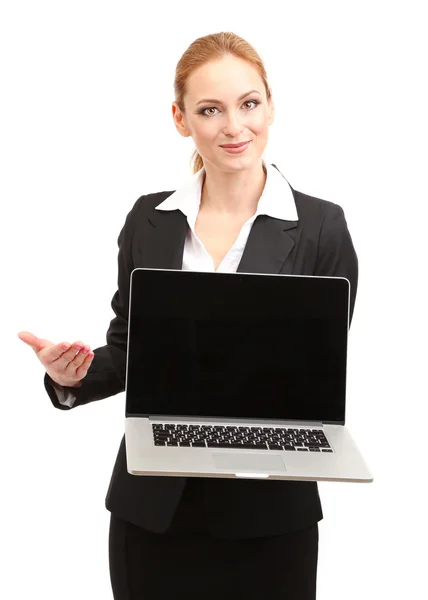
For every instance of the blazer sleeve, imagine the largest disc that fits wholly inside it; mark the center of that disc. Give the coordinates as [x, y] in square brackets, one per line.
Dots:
[336, 254]
[106, 375]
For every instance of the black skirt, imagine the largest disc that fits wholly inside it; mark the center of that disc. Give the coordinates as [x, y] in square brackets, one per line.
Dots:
[188, 562]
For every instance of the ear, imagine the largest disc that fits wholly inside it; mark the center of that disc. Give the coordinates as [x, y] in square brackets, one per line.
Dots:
[179, 120]
[271, 110]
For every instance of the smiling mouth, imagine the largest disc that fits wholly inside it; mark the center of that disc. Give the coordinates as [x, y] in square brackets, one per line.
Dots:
[235, 145]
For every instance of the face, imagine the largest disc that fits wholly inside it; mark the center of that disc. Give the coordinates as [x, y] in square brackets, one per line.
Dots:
[226, 103]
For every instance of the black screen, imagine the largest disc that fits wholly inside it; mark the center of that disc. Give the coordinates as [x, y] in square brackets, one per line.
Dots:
[237, 345]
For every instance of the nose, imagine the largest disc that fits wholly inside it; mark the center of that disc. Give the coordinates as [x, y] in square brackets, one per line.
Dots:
[233, 126]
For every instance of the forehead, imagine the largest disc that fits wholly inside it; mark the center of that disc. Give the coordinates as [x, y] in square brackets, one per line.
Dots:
[228, 77]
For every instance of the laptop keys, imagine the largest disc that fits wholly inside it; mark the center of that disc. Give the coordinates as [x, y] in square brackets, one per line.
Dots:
[255, 438]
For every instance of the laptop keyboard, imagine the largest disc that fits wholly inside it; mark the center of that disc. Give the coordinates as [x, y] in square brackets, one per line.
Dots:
[253, 438]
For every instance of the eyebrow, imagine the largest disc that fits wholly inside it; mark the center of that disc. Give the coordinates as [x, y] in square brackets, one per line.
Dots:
[220, 102]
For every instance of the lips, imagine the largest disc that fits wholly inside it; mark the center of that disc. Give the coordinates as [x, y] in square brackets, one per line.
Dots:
[234, 145]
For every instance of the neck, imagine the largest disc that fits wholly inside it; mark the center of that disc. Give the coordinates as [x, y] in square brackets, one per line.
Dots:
[232, 193]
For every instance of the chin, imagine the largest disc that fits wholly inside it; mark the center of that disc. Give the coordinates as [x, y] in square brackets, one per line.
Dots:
[233, 163]
[242, 163]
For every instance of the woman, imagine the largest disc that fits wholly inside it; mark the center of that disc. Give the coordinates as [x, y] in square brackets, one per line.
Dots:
[210, 537]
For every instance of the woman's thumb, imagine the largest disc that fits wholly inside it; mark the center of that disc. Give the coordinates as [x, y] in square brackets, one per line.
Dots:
[32, 340]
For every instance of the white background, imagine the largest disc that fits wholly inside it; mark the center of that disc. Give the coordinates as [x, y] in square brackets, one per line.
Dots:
[86, 128]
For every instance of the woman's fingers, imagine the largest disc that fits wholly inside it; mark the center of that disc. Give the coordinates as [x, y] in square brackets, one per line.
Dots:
[64, 353]
[79, 355]
[72, 366]
[84, 366]
[71, 358]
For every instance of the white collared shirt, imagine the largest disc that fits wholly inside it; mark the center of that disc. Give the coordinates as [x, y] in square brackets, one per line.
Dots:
[276, 201]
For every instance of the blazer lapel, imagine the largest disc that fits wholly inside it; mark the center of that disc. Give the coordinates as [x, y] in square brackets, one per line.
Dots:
[165, 246]
[268, 246]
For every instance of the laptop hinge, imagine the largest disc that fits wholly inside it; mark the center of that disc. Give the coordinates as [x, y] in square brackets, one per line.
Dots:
[267, 422]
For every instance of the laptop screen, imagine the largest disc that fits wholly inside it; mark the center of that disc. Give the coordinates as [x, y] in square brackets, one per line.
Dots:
[237, 345]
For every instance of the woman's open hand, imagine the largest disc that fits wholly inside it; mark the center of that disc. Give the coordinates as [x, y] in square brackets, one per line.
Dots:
[67, 364]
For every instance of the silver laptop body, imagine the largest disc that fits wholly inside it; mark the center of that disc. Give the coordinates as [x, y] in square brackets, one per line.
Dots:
[239, 375]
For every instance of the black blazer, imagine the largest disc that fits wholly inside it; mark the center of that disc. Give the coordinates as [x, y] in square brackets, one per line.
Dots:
[318, 243]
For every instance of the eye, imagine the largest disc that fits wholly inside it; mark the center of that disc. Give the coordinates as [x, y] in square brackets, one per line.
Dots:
[255, 102]
[205, 114]
[203, 111]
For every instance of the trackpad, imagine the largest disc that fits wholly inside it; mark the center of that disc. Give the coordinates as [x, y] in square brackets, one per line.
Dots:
[243, 462]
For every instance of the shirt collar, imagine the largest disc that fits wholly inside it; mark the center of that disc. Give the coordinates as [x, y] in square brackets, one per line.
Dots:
[276, 201]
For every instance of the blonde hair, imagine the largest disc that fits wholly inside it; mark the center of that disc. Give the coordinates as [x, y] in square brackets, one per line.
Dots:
[213, 47]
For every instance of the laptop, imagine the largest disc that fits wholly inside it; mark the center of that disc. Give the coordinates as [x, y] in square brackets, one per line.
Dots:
[239, 375]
